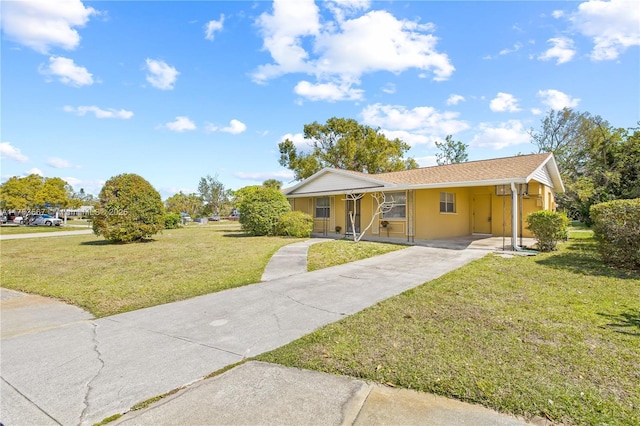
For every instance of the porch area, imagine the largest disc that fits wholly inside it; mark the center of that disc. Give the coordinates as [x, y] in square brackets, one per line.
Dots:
[479, 242]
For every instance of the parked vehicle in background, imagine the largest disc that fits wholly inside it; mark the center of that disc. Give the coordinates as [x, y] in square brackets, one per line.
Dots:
[235, 215]
[45, 220]
[214, 218]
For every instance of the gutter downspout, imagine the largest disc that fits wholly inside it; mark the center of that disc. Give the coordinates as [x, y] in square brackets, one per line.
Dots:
[514, 217]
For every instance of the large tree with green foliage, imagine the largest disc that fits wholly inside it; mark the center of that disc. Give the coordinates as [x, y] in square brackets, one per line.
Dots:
[130, 210]
[181, 202]
[213, 193]
[451, 152]
[597, 162]
[344, 144]
[35, 192]
[272, 183]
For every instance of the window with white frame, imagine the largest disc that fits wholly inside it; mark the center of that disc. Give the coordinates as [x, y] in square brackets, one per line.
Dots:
[323, 208]
[395, 205]
[447, 202]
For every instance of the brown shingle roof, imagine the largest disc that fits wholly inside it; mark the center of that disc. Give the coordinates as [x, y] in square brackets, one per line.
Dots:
[473, 171]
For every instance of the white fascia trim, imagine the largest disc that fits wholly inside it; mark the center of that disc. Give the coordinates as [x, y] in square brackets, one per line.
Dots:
[554, 173]
[326, 170]
[467, 184]
[363, 190]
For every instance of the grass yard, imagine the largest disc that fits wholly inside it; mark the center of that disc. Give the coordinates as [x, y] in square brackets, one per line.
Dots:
[556, 336]
[108, 278]
[337, 252]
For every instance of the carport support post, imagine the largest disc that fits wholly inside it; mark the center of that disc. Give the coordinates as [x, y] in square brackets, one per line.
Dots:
[514, 217]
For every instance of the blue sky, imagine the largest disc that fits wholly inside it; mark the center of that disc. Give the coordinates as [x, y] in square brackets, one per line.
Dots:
[177, 90]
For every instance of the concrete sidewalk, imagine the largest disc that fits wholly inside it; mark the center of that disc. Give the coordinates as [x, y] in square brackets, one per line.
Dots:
[258, 393]
[83, 372]
[45, 234]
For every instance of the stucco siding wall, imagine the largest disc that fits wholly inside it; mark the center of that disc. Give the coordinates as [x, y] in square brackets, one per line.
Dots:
[431, 224]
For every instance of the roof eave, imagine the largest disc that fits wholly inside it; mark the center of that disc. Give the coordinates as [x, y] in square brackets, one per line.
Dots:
[556, 178]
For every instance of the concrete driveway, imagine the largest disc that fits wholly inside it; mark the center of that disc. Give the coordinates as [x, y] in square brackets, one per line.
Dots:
[82, 372]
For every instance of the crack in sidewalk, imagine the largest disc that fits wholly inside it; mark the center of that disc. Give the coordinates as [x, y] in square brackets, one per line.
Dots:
[89, 387]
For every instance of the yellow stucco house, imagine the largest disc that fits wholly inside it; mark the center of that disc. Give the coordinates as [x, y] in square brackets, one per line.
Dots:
[490, 197]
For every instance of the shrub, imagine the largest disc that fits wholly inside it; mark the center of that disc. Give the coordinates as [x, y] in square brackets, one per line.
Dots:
[130, 209]
[295, 224]
[260, 210]
[172, 221]
[616, 225]
[548, 228]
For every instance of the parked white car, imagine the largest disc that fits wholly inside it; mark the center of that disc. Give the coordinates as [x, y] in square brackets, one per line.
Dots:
[47, 220]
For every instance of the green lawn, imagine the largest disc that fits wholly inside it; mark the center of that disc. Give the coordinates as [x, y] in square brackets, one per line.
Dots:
[337, 252]
[110, 278]
[555, 335]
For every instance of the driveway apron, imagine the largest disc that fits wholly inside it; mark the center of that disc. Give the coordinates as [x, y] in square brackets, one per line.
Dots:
[82, 372]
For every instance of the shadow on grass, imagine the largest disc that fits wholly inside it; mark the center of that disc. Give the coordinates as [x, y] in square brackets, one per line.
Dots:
[115, 243]
[580, 257]
[625, 322]
[235, 234]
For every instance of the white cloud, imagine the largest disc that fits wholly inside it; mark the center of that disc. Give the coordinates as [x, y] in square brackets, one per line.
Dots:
[43, 24]
[412, 138]
[563, 50]
[557, 14]
[212, 27]
[344, 8]
[286, 176]
[612, 25]
[515, 48]
[181, 124]
[504, 102]
[455, 99]
[557, 100]
[34, 171]
[67, 71]
[298, 140]
[235, 127]
[58, 163]
[330, 92]
[338, 52]
[99, 112]
[536, 111]
[497, 137]
[427, 161]
[414, 126]
[9, 151]
[389, 88]
[72, 181]
[161, 75]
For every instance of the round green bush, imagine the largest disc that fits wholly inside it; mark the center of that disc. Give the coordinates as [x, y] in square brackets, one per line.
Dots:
[295, 224]
[171, 221]
[260, 210]
[548, 228]
[130, 210]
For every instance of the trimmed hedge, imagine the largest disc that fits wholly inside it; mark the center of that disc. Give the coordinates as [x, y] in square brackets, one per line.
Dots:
[295, 224]
[616, 225]
[548, 228]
